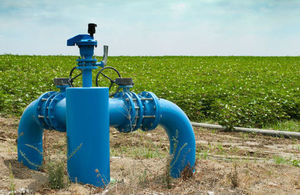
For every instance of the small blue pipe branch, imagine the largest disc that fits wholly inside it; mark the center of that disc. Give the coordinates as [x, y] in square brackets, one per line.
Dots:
[127, 112]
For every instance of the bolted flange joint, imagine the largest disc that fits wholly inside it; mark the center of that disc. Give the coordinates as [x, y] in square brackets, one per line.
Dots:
[142, 111]
[45, 112]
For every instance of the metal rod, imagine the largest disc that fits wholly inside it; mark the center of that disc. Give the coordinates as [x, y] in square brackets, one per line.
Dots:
[149, 116]
[146, 98]
[40, 116]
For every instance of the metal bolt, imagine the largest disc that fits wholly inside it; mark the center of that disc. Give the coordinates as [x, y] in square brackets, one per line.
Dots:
[40, 116]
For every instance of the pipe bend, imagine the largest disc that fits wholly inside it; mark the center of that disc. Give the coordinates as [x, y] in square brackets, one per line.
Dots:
[118, 112]
[181, 136]
[30, 138]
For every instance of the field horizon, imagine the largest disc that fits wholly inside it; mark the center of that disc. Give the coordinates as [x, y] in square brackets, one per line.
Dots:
[229, 90]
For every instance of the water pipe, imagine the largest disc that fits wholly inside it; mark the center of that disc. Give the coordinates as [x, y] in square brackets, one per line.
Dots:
[269, 132]
[86, 113]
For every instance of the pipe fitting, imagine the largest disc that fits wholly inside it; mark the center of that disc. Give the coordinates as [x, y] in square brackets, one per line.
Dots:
[141, 111]
[151, 115]
[46, 112]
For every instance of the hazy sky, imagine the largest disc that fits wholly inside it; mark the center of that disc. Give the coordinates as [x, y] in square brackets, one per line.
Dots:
[153, 27]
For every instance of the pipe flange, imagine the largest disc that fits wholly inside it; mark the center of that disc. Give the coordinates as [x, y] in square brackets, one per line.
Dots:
[128, 100]
[40, 114]
[139, 108]
[46, 109]
[53, 121]
[151, 110]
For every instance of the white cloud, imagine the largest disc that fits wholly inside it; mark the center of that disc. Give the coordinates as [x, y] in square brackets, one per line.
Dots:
[140, 27]
[178, 8]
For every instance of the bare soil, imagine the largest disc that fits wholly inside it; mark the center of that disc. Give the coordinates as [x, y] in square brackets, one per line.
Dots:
[227, 163]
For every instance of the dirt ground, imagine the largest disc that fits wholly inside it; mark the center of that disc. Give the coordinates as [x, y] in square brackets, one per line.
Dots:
[227, 163]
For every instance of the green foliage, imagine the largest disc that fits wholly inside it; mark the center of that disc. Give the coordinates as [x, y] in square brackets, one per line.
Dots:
[282, 160]
[56, 175]
[235, 91]
[12, 185]
[290, 125]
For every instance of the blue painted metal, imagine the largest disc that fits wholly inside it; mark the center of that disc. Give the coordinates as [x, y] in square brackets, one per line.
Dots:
[170, 116]
[86, 63]
[50, 110]
[88, 135]
[87, 113]
[157, 112]
[78, 38]
[30, 138]
[118, 112]
[151, 114]
[181, 137]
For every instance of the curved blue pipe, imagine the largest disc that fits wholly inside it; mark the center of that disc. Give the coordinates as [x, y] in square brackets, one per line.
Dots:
[30, 138]
[172, 119]
[181, 137]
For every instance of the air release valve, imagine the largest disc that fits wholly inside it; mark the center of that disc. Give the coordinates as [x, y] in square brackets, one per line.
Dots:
[92, 29]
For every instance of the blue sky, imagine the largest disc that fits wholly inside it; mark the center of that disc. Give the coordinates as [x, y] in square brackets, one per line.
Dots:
[153, 27]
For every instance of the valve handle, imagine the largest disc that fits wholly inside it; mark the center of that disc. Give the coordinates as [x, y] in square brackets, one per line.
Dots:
[112, 81]
[71, 79]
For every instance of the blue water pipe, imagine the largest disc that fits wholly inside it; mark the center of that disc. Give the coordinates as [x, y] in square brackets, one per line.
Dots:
[86, 113]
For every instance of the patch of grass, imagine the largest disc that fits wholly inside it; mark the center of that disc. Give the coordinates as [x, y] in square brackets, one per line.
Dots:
[233, 176]
[282, 160]
[290, 125]
[168, 178]
[144, 179]
[56, 175]
[144, 152]
[203, 155]
[12, 185]
[220, 149]
[138, 152]
[279, 159]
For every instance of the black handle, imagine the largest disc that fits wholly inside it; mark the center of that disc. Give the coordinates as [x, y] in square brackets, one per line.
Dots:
[92, 29]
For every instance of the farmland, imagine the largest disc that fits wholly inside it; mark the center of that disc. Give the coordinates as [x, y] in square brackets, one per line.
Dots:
[232, 91]
[227, 163]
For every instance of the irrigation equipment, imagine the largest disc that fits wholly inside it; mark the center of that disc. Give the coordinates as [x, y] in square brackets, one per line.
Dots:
[87, 112]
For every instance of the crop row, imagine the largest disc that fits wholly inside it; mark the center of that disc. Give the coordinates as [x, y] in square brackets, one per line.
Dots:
[233, 91]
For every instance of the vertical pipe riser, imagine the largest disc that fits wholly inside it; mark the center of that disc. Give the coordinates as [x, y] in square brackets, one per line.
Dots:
[88, 135]
[87, 78]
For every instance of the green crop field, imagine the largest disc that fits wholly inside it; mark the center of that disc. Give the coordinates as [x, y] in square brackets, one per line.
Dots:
[233, 91]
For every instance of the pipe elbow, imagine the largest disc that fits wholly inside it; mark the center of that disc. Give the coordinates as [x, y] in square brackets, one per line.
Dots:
[30, 137]
[181, 136]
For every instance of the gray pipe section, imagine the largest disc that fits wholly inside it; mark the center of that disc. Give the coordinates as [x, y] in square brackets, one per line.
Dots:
[275, 133]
